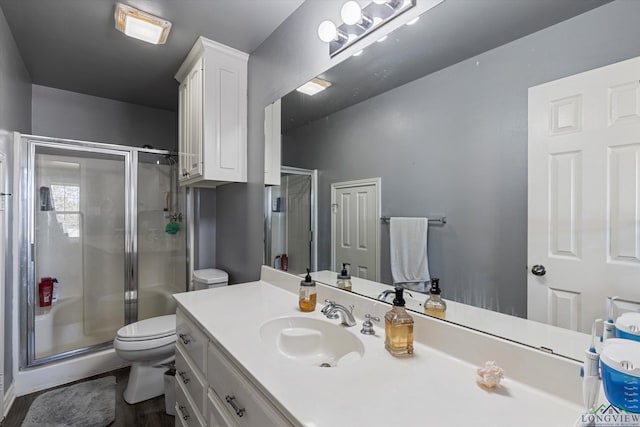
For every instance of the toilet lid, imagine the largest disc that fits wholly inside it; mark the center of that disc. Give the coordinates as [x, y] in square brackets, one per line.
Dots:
[155, 327]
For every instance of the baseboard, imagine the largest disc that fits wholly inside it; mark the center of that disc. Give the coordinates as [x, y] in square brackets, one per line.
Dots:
[9, 398]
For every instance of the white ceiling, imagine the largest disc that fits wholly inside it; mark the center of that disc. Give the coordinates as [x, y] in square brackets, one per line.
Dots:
[72, 44]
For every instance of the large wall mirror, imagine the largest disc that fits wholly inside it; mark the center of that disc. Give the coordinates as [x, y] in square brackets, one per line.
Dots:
[438, 113]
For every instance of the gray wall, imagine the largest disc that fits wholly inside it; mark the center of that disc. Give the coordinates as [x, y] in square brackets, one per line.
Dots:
[273, 72]
[292, 55]
[63, 114]
[205, 231]
[15, 115]
[455, 142]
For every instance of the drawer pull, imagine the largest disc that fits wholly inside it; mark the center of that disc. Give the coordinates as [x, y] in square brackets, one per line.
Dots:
[185, 338]
[185, 378]
[231, 401]
[185, 415]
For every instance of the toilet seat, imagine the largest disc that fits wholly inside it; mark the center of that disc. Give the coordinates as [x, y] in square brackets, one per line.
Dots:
[155, 328]
[143, 345]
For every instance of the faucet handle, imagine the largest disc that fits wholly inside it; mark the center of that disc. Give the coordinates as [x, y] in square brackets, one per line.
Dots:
[328, 307]
[367, 326]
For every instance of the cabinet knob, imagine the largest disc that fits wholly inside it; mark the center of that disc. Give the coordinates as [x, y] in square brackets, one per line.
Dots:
[184, 413]
[185, 378]
[185, 338]
[231, 400]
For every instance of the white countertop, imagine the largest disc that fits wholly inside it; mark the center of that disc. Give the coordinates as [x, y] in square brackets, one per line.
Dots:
[431, 388]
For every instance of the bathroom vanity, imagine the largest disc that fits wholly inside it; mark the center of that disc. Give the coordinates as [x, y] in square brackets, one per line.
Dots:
[246, 356]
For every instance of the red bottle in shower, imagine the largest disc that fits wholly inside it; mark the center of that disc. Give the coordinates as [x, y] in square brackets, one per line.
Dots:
[45, 291]
[284, 260]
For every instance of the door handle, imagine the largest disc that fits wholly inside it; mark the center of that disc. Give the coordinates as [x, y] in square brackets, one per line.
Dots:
[538, 270]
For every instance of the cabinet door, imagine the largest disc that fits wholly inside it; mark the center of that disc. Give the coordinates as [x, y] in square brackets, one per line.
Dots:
[183, 131]
[272, 143]
[195, 120]
[239, 398]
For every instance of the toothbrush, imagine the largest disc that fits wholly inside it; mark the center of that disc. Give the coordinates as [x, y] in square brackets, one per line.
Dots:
[591, 379]
[609, 330]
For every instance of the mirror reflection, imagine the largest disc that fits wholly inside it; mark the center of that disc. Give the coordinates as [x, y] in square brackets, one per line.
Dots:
[453, 143]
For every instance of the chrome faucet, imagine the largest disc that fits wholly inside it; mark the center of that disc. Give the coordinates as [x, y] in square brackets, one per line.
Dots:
[384, 294]
[346, 314]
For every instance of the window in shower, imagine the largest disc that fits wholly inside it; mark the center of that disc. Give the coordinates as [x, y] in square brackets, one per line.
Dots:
[66, 202]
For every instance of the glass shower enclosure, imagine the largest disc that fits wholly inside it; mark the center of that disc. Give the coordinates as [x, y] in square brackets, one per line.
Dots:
[103, 243]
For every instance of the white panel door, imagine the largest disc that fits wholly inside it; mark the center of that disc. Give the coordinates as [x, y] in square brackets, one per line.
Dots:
[355, 228]
[584, 194]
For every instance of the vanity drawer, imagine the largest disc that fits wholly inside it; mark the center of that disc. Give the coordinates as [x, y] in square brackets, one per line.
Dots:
[193, 340]
[217, 414]
[242, 402]
[186, 412]
[191, 379]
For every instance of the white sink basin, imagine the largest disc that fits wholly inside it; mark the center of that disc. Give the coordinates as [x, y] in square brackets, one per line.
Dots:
[312, 342]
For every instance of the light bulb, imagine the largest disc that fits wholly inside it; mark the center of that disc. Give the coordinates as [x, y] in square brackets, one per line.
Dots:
[351, 13]
[327, 31]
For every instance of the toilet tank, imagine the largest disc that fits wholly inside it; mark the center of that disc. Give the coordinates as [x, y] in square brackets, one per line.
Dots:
[209, 278]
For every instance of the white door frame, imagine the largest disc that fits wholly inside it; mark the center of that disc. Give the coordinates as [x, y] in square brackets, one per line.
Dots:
[4, 202]
[377, 182]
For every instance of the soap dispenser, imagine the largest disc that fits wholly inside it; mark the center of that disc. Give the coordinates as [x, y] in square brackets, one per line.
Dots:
[434, 305]
[308, 295]
[398, 328]
[344, 279]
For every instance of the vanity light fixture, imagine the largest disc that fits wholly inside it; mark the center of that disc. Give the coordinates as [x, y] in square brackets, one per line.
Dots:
[358, 22]
[314, 86]
[141, 25]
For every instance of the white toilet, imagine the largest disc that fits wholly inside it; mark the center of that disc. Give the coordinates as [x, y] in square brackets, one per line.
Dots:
[147, 344]
[209, 278]
[150, 343]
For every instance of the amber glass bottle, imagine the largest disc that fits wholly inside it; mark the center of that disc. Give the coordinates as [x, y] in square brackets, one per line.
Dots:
[308, 296]
[398, 328]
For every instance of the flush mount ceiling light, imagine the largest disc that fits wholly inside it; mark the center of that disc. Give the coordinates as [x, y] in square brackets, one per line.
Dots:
[141, 25]
[314, 86]
[358, 21]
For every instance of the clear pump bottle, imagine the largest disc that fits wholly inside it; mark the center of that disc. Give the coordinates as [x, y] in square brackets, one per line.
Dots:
[434, 305]
[344, 279]
[308, 295]
[398, 328]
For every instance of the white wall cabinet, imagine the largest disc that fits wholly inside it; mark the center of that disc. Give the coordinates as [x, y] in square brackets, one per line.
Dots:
[272, 143]
[211, 390]
[212, 115]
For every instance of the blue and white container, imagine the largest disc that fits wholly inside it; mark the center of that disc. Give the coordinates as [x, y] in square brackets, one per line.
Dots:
[620, 364]
[628, 326]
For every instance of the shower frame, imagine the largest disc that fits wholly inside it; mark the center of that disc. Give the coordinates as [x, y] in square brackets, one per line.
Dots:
[26, 236]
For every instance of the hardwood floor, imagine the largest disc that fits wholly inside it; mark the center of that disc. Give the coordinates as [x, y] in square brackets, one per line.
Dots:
[149, 413]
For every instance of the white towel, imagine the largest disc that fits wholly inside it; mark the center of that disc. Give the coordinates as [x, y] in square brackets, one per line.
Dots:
[408, 247]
